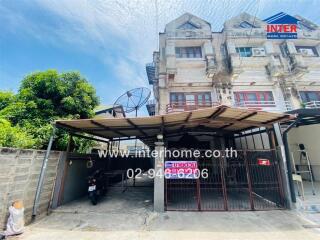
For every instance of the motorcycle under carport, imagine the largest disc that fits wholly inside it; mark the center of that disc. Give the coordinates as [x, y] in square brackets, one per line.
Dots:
[96, 186]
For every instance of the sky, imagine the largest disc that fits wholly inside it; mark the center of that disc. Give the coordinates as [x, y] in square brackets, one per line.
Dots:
[108, 41]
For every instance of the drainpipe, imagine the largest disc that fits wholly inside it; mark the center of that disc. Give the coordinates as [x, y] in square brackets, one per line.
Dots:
[42, 173]
[287, 152]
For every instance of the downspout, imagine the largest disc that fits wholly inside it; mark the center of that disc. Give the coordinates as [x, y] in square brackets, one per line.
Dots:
[42, 173]
[287, 151]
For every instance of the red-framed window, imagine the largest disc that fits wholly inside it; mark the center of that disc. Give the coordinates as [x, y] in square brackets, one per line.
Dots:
[254, 98]
[197, 99]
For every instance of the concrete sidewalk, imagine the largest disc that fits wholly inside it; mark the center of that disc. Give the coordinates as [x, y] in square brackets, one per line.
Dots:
[172, 225]
[129, 215]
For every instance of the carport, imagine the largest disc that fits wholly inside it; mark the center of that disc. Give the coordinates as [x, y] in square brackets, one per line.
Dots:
[252, 187]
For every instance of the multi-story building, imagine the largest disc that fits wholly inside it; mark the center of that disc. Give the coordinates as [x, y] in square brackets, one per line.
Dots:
[197, 68]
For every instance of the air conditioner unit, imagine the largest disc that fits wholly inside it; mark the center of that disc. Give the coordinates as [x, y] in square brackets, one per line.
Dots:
[306, 52]
[258, 52]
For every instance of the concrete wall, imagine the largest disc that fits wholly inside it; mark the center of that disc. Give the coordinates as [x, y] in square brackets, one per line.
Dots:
[19, 175]
[74, 183]
[309, 136]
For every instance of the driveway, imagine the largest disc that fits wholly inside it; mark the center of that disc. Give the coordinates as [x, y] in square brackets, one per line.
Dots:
[129, 215]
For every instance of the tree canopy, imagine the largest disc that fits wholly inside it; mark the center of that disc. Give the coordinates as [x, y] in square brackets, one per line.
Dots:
[44, 97]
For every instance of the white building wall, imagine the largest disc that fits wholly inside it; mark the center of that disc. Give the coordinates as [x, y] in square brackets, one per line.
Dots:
[309, 136]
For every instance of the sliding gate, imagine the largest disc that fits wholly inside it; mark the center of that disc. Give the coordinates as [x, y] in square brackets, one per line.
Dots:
[249, 181]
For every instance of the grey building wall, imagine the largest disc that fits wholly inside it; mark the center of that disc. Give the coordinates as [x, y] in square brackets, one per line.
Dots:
[19, 175]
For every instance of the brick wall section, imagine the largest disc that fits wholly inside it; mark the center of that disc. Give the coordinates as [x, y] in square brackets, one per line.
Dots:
[19, 175]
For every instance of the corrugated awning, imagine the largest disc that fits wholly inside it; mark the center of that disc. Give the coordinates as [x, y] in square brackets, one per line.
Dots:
[220, 118]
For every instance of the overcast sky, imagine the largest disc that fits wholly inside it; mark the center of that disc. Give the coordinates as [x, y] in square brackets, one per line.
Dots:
[109, 41]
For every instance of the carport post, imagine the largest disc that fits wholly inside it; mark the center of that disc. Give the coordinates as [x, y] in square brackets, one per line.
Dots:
[283, 164]
[158, 197]
[42, 173]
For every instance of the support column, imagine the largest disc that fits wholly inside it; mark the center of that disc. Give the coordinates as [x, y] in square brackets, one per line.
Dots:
[158, 199]
[42, 173]
[283, 164]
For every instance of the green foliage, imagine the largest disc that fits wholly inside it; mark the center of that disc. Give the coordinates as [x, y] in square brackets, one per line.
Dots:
[47, 96]
[6, 98]
[14, 136]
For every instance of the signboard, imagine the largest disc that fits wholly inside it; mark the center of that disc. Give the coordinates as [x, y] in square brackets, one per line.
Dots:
[281, 26]
[263, 162]
[181, 170]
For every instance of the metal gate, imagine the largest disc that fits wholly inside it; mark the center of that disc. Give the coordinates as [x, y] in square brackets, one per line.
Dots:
[249, 181]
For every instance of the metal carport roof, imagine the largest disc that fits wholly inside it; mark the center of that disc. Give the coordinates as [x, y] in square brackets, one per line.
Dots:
[220, 118]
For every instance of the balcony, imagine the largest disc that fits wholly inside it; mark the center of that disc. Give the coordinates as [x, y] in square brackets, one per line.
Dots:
[239, 64]
[257, 105]
[151, 72]
[189, 106]
[151, 107]
[312, 104]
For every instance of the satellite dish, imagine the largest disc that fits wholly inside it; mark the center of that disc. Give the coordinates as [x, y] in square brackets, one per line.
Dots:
[132, 100]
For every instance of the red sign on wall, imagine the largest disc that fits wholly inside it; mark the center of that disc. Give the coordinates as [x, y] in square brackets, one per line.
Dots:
[263, 162]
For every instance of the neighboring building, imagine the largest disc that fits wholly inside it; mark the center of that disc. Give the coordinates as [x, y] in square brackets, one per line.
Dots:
[109, 111]
[196, 68]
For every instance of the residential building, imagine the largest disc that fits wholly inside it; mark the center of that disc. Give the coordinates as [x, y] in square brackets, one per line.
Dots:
[197, 68]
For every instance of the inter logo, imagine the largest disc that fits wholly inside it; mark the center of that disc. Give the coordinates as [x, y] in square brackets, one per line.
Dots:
[281, 26]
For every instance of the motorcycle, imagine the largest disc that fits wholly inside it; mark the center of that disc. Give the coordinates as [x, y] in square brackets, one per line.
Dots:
[96, 186]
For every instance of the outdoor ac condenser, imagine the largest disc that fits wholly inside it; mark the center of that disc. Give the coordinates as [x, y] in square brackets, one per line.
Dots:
[258, 52]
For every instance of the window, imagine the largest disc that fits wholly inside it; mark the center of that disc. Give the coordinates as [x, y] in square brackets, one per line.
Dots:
[244, 51]
[199, 99]
[188, 52]
[177, 98]
[188, 26]
[246, 24]
[254, 98]
[307, 51]
[310, 96]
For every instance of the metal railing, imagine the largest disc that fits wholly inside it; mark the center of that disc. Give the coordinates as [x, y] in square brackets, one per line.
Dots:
[255, 104]
[189, 105]
[151, 102]
[312, 104]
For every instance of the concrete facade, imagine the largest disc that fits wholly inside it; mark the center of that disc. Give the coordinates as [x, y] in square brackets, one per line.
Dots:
[19, 176]
[283, 68]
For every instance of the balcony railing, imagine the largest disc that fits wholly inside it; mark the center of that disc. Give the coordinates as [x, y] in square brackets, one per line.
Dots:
[189, 105]
[151, 72]
[312, 104]
[255, 104]
[151, 107]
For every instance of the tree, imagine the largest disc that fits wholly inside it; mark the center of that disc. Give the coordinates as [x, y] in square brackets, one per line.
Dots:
[47, 96]
[14, 136]
[64, 95]
[6, 98]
